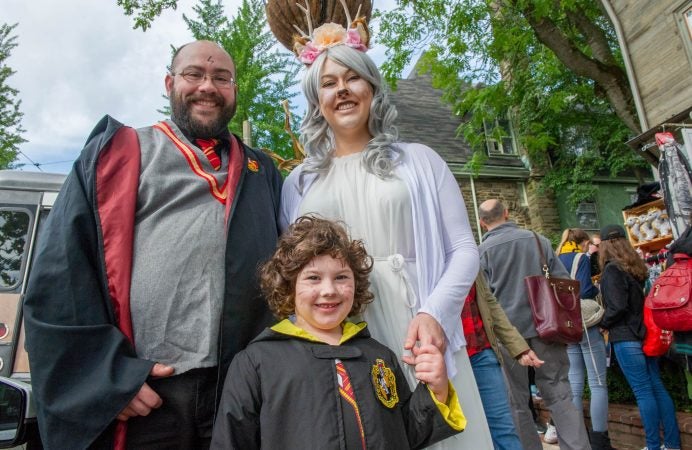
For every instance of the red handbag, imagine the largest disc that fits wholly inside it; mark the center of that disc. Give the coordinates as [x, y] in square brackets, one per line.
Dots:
[669, 298]
[554, 305]
[656, 341]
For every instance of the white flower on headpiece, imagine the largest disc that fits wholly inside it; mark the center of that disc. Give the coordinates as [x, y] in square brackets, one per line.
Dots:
[308, 46]
[328, 35]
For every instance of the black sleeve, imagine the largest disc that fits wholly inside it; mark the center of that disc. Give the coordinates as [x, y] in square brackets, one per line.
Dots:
[83, 369]
[614, 287]
[237, 423]
[275, 181]
[424, 423]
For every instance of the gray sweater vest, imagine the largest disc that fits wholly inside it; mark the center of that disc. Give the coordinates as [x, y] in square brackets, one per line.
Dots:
[178, 262]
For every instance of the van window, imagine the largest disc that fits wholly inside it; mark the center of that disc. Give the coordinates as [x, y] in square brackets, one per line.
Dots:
[14, 232]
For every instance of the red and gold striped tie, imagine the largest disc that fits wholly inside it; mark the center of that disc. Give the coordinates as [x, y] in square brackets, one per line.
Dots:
[208, 147]
[346, 392]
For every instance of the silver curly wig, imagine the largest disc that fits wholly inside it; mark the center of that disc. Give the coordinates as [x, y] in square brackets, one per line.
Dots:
[380, 155]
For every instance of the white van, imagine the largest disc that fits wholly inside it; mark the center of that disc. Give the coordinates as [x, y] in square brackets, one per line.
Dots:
[25, 201]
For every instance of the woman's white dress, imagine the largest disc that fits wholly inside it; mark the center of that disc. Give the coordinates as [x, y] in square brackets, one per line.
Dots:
[379, 212]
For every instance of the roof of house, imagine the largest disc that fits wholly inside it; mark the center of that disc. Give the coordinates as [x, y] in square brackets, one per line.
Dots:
[424, 117]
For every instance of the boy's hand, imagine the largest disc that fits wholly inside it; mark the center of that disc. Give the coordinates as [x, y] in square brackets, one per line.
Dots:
[429, 364]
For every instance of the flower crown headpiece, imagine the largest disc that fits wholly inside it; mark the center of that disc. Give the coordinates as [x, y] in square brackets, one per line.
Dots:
[308, 46]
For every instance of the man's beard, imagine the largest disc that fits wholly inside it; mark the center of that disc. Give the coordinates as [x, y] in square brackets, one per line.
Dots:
[182, 115]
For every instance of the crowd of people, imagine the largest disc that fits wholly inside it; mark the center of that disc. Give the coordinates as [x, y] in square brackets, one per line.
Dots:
[148, 324]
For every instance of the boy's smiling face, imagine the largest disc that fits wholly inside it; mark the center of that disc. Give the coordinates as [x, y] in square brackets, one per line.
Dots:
[324, 297]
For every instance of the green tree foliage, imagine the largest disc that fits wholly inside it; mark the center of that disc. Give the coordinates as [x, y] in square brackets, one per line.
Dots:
[553, 67]
[264, 74]
[10, 116]
[145, 11]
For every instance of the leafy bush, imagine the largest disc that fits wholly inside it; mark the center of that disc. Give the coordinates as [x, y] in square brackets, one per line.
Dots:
[672, 375]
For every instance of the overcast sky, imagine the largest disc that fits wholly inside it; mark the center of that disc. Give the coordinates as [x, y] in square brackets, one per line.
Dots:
[78, 60]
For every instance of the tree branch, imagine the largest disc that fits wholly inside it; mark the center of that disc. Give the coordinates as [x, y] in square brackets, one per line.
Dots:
[611, 78]
[595, 37]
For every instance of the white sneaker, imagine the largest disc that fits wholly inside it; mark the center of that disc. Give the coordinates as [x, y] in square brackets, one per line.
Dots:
[550, 436]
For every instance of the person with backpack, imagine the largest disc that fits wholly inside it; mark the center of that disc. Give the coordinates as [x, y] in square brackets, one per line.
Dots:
[622, 286]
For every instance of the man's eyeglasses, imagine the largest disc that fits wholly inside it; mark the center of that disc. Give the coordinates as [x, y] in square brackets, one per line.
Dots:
[220, 80]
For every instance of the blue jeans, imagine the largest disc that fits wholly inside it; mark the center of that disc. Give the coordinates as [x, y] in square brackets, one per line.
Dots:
[590, 356]
[493, 391]
[655, 405]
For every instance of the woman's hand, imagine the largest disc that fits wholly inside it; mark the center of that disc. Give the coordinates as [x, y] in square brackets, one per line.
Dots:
[426, 330]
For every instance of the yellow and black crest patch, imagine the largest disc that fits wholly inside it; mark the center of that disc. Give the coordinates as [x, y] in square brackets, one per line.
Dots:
[384, 382]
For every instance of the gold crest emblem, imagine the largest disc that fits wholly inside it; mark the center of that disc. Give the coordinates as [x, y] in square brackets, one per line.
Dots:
[384, 382]
[252, 165]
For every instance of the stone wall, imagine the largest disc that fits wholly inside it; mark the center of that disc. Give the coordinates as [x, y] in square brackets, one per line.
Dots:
[528, 206]
[625, 425]
[543, 210]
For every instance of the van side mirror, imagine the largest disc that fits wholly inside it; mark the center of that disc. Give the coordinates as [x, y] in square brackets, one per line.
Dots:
[15, 405]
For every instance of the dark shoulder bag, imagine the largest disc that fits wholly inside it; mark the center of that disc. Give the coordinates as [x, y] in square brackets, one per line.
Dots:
[554, 305]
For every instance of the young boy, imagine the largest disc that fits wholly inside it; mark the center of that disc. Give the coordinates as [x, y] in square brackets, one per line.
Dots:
[317, 381]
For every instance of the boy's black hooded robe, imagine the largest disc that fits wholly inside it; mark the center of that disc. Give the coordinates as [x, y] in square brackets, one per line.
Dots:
[282, 392]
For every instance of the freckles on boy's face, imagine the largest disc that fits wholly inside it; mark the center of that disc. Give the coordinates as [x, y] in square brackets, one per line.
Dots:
[324, 296]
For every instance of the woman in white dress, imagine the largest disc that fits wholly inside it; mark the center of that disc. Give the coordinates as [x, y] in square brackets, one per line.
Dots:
[404, 203]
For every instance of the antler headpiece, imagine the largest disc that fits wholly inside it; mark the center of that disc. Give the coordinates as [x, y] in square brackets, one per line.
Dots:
[308, 46]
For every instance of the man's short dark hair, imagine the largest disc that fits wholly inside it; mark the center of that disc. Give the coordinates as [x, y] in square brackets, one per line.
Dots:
[175, 55]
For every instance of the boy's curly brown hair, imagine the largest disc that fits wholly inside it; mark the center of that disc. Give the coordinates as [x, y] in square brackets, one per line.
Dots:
[307, 238]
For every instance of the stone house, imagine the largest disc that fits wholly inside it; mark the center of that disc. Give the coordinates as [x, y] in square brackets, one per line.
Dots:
[424, 117]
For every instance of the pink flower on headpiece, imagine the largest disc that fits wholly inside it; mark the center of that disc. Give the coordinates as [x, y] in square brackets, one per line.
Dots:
[309, 54]
[326, 36]
[353, 40]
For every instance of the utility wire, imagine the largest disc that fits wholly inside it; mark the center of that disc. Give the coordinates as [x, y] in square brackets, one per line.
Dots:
[54, 162]
[38, 166]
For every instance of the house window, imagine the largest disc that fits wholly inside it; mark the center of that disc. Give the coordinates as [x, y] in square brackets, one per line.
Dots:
[14, 232]
[587, 216]
[499, 137]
